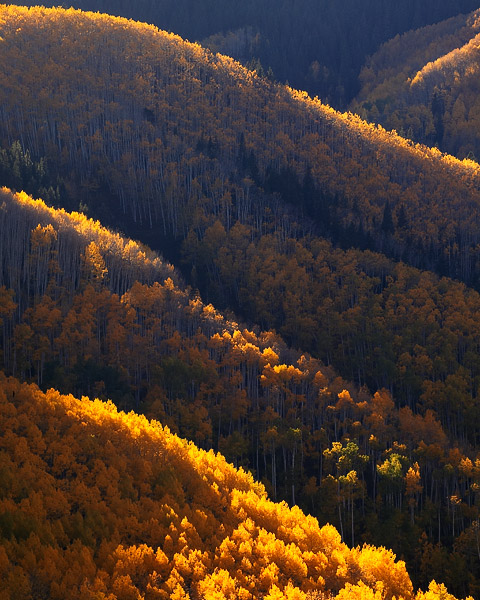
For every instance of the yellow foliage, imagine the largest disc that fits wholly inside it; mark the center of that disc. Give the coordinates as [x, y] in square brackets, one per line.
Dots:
[379, 565]
[436, 591]
[361, 591]
[240, 545]
[219, 585]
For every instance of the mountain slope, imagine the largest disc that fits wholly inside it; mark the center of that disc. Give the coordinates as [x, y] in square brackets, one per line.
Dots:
[177, 138]
[97, 503]
[190, 149]
[345, 455]
[425, 83]
[317, 46]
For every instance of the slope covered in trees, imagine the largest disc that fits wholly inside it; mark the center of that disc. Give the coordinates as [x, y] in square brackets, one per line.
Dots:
[316, 46]
[178, 138]
[74, 317]
[101, 504]
[239, 175]
[425, 83]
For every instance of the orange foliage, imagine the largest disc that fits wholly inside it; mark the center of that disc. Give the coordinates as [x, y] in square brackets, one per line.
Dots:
[99, 503]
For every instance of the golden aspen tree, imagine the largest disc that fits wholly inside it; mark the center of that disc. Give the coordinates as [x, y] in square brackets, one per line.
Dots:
[413, 488]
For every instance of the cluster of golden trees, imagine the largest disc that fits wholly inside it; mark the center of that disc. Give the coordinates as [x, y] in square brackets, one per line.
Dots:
[125, 109]
[425, 84]
[381, 323]
[345, 455]
[317, 46]
[34, 235]
[101, 504]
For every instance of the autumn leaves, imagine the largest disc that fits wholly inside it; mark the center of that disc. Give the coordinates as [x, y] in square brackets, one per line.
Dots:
[97, 503]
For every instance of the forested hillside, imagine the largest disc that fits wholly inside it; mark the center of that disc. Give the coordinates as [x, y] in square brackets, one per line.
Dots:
[353, 388]
[141, 124]
[74, 317]
[425, 84]
[101, 504]
[316, 46]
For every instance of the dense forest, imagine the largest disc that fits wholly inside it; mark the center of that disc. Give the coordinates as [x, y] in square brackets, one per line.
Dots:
[150, 132]
[74, 318]
[425, 84]
[336, 37]
[351, 389]
[101, 504]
